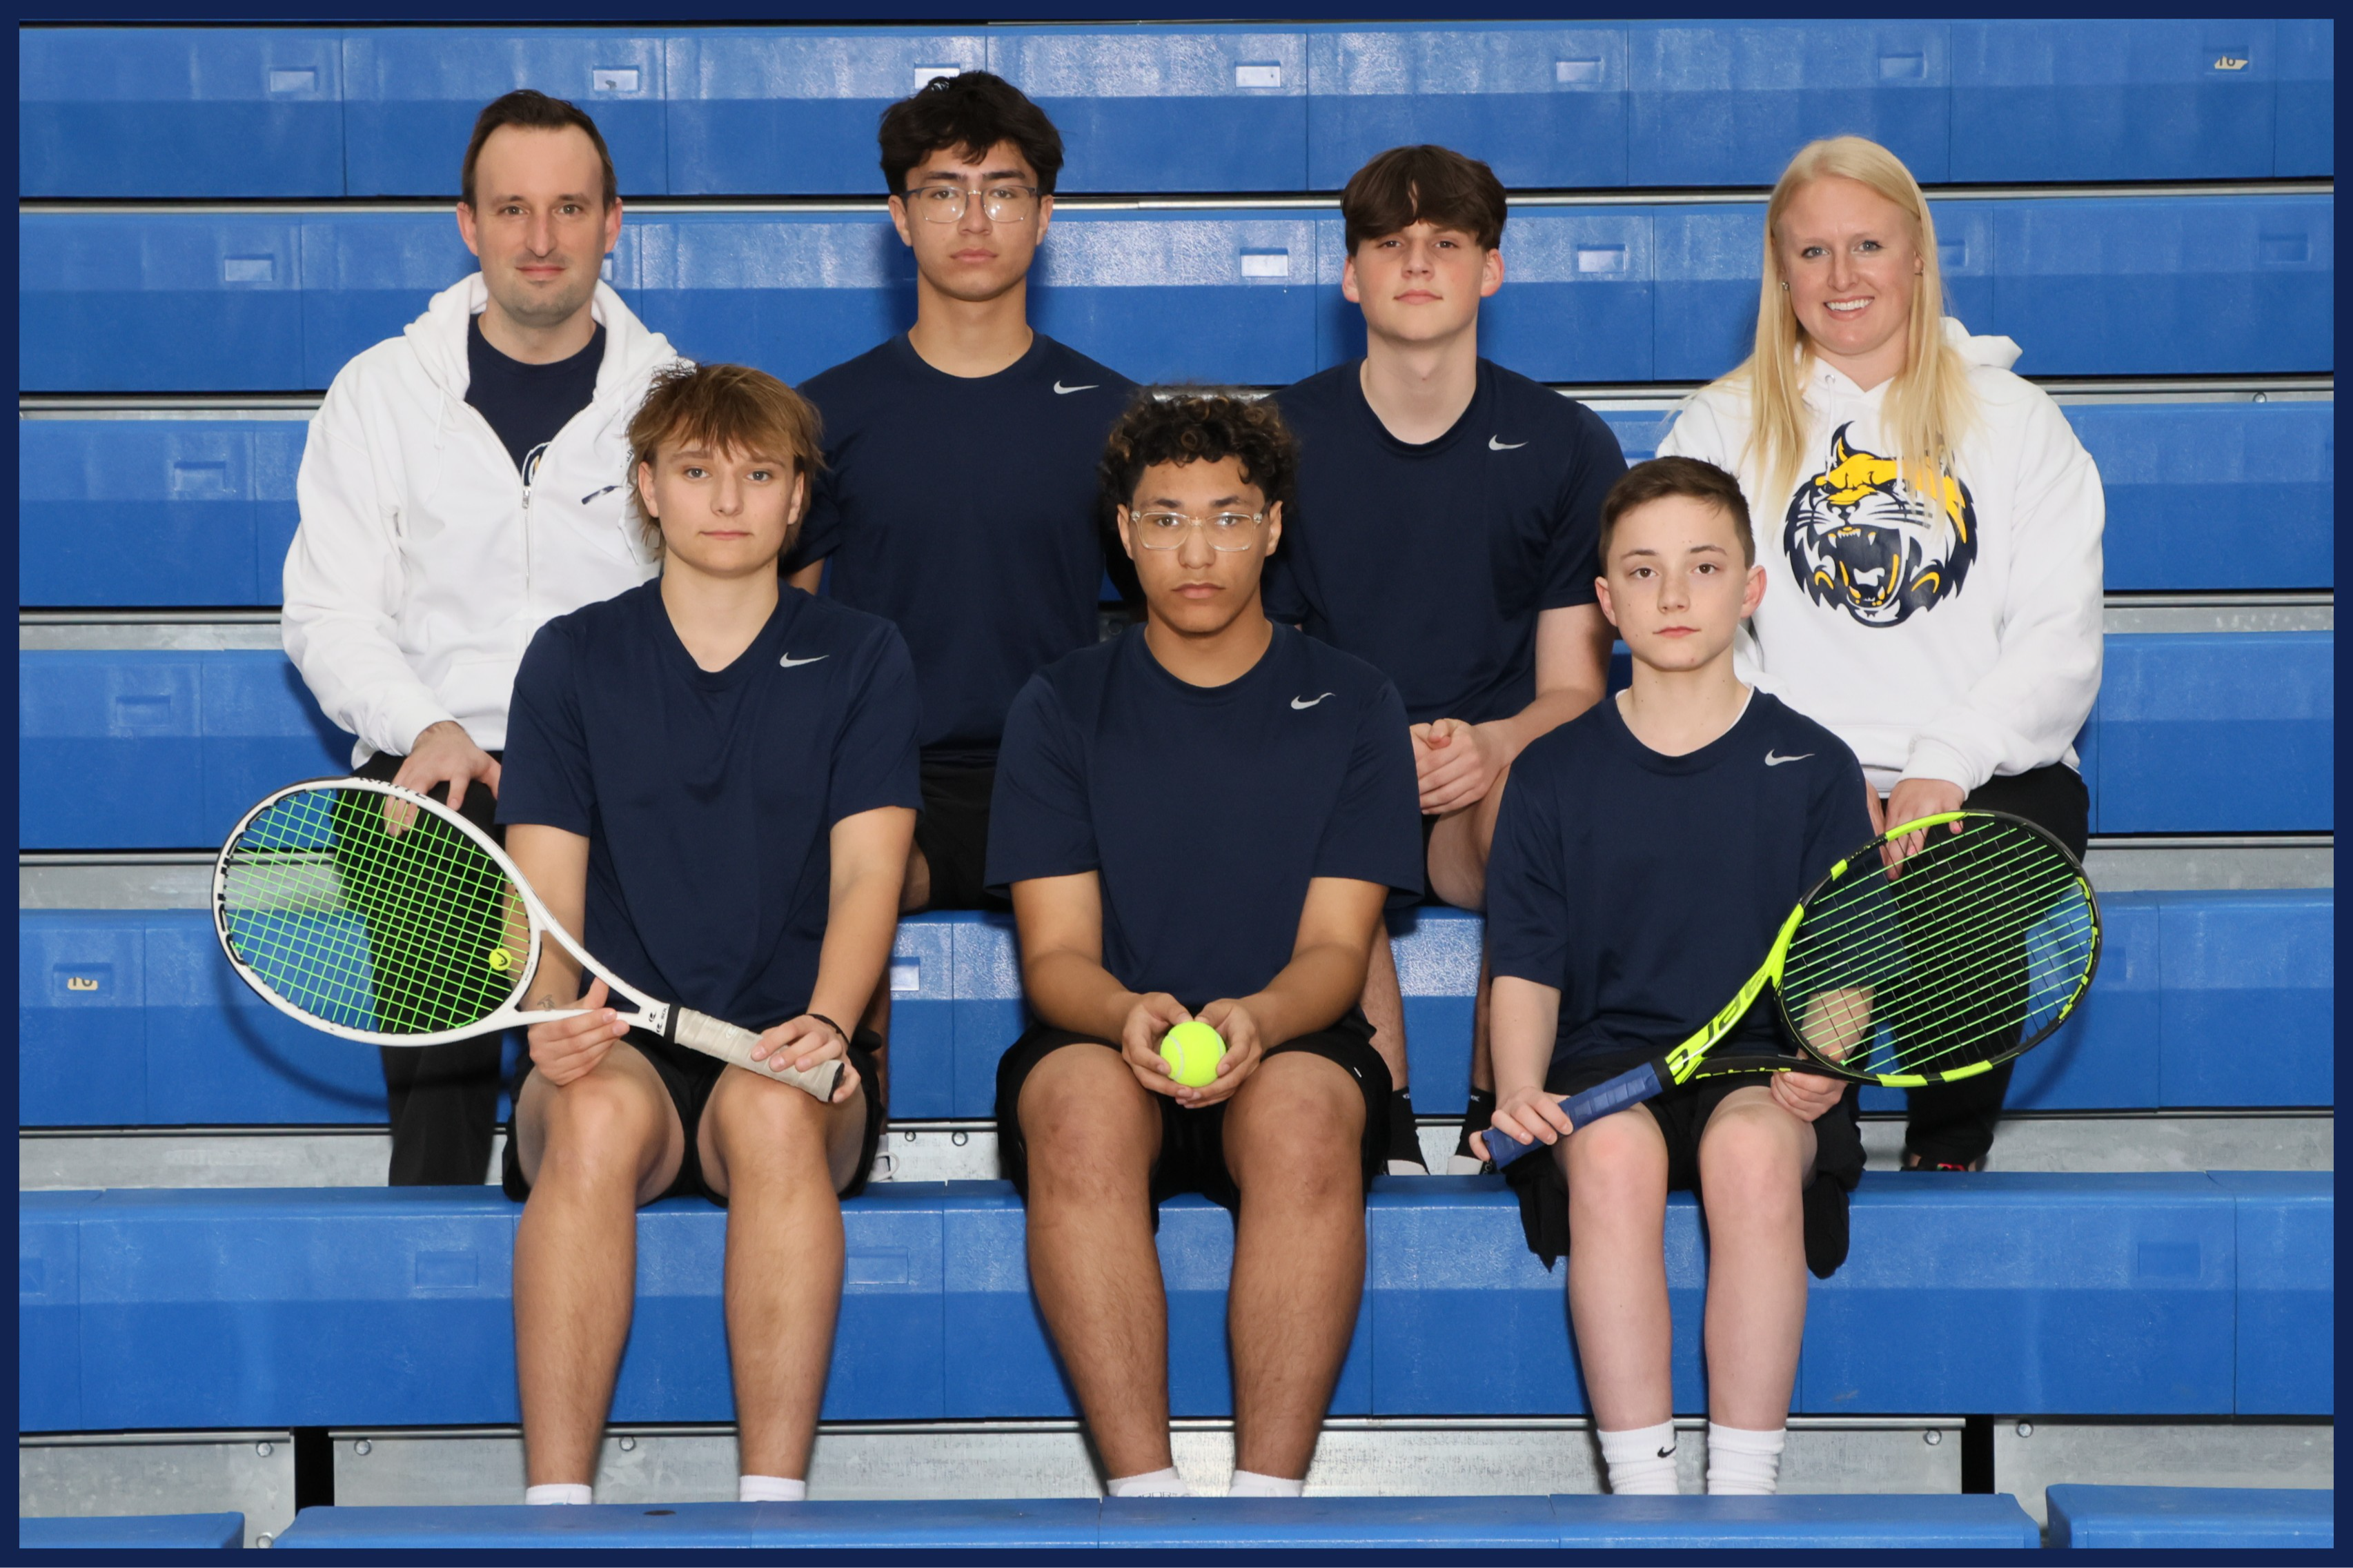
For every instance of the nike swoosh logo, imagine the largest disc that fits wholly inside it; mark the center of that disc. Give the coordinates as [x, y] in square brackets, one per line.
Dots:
[1668, 1452]
[789, 662]
[1773, 762]
[1061, 390]
[1497, 444]
[1302, 703]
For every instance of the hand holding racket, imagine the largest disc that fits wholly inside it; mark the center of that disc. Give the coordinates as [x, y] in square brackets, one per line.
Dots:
[1960, 951]
[378, 914]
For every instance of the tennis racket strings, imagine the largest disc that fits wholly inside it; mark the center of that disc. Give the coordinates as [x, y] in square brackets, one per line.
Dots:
[371, 915]
[1968, 953]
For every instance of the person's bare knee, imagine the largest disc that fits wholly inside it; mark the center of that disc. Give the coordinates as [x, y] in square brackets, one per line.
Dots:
[1754, 1160]
[1295, 1132]
[757, 1128]
[1617, 1165]
[614, 1124]
[1457, 864]
[1085, 1120]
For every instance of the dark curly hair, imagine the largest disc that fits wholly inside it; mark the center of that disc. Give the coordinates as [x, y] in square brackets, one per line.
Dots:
[970, 113]
[1185, 425]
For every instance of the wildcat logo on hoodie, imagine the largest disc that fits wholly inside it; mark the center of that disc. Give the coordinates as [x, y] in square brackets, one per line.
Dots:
[1861, 541]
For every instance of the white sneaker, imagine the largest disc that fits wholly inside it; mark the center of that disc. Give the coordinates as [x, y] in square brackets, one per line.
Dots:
[1467, 1166]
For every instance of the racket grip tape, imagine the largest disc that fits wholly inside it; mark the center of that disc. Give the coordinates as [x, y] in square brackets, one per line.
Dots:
[717, 1037]
[1614, 1094]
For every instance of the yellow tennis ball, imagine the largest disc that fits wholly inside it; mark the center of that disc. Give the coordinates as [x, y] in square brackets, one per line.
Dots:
[1192, 1050]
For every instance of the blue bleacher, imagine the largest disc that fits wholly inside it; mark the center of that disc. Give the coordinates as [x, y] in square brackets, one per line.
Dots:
[293, 113]
[184, 512]
[2234, 1520]
[146, 993]
[215, 302]
[132, 1532]
[274, 1308]
[1390, 1524]
[2183, 721]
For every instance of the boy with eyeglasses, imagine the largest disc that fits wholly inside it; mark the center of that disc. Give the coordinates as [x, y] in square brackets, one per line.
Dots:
[1447, 512]
[958, 494]
[1200, 820]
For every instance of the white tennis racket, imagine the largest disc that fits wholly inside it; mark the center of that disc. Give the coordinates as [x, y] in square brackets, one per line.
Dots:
[412, 928]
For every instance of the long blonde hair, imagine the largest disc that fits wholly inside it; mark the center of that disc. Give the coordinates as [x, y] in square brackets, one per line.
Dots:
[1928, 408]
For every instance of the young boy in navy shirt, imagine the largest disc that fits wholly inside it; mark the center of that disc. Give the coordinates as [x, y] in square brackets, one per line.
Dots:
[712, 780]
[1200, 820]
[1445, 530]
[958, 495]
[1644, 859]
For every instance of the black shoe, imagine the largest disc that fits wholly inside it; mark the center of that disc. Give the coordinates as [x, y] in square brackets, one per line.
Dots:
[1405, 1143]
[1912, 1162]
[1478, 1115]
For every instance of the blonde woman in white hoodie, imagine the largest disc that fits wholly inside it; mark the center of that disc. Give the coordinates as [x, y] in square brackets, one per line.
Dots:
[1933, 525]
[463, 484]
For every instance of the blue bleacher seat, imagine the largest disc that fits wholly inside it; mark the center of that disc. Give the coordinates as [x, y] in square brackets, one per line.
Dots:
[183, 1043]
[117, 512]
[2114, 100]
[197, 302]
[411, 94]
[2233, 1520]
[114, 513]
[132, 1532]
[2209, 496]
[2306, 138]
[2182, 716]
[179, 111]
[1724, 103]
[2286, 1222]
[259, 1308]
[1388, 1524]
[1145, 108]
[158, 750]
[794, 109]
[1542, 104]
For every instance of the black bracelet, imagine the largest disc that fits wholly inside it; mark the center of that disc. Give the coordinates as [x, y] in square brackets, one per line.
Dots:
[830, 1025]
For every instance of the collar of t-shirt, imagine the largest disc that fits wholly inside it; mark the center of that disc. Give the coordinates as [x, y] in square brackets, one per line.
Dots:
[1270, 659]
[1723, 746]
[526, 404]
[1474, 416]
[1031, 364]
[761, 653]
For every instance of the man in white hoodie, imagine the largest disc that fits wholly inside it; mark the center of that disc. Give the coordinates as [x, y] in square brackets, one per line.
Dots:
[463, 484]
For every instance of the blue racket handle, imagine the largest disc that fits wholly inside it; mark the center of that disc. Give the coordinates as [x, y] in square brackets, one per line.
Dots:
[1614, 1094]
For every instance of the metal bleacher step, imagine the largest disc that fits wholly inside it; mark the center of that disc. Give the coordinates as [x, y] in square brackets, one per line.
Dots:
[87, 1158]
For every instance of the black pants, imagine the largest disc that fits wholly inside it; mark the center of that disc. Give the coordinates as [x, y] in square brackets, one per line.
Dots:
[443, 1099]
[1952, 1123]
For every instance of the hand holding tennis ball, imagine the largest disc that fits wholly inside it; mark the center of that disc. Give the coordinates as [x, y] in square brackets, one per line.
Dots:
[1192, 1050]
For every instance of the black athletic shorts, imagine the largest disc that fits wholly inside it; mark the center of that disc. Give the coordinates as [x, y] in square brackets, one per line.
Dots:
[953, 834]
[1682, 1114]
[690, 1075]
[1192, 1143]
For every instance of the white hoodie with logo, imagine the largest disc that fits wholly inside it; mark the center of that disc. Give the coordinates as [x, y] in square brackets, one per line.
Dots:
[424, 562]
[1953, 638]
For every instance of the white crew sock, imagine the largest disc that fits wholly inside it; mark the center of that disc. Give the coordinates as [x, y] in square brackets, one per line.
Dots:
[1743, 1464]
[770, 1488]
[1250, 1483]
[1641, 1459]
[1152, 1483]
[556, 1491]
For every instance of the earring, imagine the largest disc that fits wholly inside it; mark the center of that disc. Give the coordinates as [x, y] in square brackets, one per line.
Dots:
[1785, 288]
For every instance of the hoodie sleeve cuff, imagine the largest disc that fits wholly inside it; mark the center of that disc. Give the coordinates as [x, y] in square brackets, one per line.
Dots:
[403, 721]
[1937, 760]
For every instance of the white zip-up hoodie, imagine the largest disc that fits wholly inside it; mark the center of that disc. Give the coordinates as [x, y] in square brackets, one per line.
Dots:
[1957, 639]
[424, 562]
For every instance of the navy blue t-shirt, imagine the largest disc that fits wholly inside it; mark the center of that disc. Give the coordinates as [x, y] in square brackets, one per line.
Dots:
[1432, 561]
[1647, 888]
[1206, 810]
[964, 509]
[526, 404]
[706, 796]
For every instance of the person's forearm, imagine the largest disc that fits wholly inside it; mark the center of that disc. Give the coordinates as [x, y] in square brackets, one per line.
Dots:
[1310, 992]
[862, 923]
[1071, 991]
[1521, 1019]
